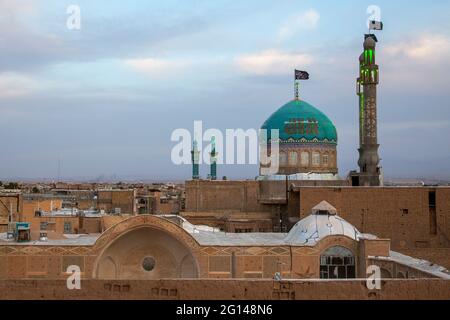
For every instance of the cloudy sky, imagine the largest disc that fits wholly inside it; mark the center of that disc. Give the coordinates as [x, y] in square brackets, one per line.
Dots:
[103, 101]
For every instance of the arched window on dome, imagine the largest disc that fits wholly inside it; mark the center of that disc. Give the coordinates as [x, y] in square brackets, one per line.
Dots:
[293, 158]
[325, 160]
[304, 159]
[316, 159]
[337, 263]
[283, 158]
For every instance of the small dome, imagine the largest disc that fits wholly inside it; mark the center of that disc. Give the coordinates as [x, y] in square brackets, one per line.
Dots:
[315, 125]
[319, 225]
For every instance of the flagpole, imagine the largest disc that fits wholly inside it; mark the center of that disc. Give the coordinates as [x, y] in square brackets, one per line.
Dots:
[297, 90]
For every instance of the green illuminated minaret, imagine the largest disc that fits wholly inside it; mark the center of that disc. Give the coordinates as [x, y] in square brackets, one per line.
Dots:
[213, 154]
[195, 160]
[367, 83]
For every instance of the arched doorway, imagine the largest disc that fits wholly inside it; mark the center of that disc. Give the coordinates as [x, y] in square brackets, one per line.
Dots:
[146, 253]
[337, 263]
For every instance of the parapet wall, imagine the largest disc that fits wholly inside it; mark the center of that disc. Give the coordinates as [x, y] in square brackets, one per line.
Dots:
[225, 290]
[223, 196]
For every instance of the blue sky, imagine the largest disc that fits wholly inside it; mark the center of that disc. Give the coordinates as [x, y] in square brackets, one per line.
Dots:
[105, 99]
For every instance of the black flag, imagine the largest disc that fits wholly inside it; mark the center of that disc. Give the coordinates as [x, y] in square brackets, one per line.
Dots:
[301, 75]
[375, 25]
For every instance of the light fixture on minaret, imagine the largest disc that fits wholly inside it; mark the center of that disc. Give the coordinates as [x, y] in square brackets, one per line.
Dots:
[367, 82]
[195, 156]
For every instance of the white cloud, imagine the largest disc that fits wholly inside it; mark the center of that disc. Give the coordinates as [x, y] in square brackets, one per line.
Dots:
[157, 67]
[272, 62]
[427, 47]
[15, 85]
[416, 64]
[17, 6]
[307, 20]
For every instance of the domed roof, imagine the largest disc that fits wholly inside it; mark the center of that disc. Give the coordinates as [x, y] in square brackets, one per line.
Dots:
[323, 222]
[299, 121]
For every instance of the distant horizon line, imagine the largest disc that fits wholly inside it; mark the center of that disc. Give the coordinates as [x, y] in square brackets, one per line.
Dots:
[180, 179]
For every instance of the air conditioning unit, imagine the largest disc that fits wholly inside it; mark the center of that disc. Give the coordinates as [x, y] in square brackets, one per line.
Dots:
[43, 237]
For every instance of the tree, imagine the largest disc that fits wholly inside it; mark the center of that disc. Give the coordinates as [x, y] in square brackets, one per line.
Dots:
[12, 186]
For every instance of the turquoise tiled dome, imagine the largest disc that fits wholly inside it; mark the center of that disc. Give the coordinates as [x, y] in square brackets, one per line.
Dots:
[298, 111]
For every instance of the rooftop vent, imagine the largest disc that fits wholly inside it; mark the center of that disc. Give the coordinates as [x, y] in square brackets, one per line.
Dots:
[324, 208]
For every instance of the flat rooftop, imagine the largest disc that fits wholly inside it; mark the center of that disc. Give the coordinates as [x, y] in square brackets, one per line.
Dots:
[69, 240]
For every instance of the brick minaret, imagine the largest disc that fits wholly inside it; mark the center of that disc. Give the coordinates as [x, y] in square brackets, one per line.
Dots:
[370, 172]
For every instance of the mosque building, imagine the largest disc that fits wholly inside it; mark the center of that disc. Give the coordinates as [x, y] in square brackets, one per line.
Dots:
[301, 223]
[414, 218]
[307, 142]
[308, 139]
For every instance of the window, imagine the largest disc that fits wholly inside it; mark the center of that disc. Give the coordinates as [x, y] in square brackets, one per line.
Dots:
[293, 158]
[316, 159]
[23, 236]
[67, 227]
[304, 159]
[337, 263]
[148, 264]
[432, 198]
[283, 158]
[325, 160]
[432, 212]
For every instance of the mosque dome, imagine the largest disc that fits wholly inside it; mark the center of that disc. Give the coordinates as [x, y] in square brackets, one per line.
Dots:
[307, 142]
[300, 121]
[323, 222]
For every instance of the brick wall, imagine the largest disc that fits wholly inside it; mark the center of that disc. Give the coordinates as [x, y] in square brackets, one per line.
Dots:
[225, 290]
[400, 214]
